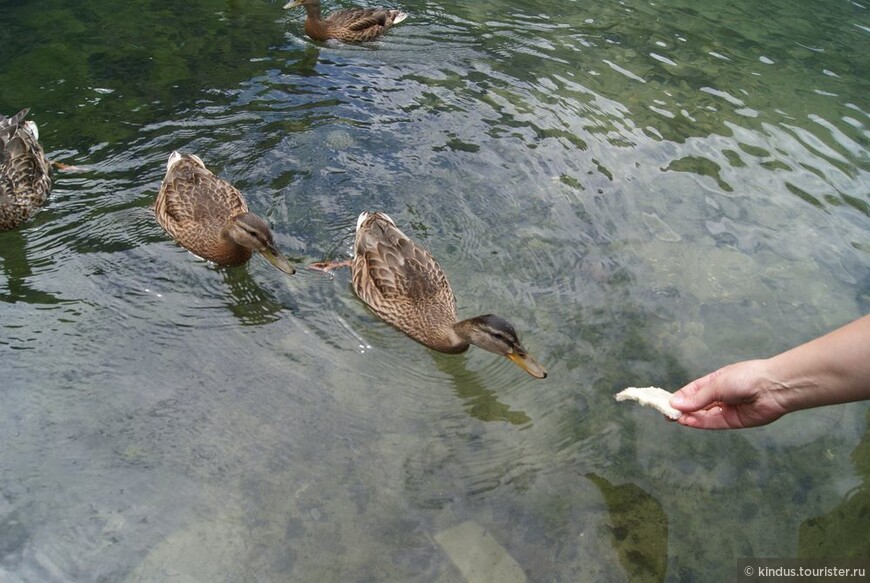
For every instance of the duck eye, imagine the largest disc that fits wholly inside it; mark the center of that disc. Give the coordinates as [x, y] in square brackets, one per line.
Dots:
[501, 336]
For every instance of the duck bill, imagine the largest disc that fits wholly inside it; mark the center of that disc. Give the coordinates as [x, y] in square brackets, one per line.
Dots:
[275, 257]
[292, 4]
[528, 364]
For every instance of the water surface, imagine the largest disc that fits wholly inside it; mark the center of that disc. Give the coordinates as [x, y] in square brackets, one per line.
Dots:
[648, 190]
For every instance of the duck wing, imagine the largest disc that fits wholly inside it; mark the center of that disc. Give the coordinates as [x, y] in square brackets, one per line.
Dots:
[25, 173]
[362, 24]
[193, 204]
[401, 281]
[191, 193]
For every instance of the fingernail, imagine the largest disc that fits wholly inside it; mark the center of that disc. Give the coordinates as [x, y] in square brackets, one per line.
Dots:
[678, 401]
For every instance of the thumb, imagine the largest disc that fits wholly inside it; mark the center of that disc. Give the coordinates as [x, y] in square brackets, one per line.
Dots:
[698, 394]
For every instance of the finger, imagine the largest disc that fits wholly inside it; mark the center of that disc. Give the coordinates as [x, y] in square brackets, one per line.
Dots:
[698, 394]
[713, 418]
[719, 416]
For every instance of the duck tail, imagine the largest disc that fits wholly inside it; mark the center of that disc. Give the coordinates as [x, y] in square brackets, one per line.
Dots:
[174, 158]
[361, 219]
[9, 125]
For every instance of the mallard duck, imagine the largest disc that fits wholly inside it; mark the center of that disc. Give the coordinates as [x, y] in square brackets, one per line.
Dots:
[349, 24]
[25, 173]
[403, 284]
[209, 217]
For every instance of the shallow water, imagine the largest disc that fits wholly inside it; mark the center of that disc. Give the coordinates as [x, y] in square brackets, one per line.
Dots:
[647, 190]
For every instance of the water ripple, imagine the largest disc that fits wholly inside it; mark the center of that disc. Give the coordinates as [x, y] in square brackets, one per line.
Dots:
[646, 190]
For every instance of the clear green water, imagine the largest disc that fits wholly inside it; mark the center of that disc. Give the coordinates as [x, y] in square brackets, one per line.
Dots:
[649, 190]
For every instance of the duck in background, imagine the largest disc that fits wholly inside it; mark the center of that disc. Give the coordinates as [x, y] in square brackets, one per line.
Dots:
[349, 24]
[25, 172]
[403, 284]
[209, 217]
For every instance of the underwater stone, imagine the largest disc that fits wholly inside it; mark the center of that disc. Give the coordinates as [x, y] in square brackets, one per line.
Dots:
[478, 556]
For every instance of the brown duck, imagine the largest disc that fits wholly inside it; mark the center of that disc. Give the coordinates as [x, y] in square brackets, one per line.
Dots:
[403, 284]
[349, 24]
[209, 217]
[25, 172]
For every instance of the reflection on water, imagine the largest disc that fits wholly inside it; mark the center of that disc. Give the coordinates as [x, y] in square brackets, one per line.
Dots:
[647, 190]
[480, 402]
[17, 271]
[250, 304]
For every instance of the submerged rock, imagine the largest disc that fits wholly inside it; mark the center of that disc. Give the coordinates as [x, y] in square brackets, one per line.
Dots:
[478, 556]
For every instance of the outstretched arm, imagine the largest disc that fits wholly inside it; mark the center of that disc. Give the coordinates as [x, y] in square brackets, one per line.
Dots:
[831, 369]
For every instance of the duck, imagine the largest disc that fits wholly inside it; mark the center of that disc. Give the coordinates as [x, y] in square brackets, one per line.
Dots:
[348, 24]
[403, 284]
[25, 172]
[209, 217]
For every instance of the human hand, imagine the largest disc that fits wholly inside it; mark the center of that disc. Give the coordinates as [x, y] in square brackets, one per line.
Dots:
[739, 395]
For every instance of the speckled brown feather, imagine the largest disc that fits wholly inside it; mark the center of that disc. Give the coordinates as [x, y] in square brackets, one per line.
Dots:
[403, 284]
[193, 206]
[350, 24]
[25, 173]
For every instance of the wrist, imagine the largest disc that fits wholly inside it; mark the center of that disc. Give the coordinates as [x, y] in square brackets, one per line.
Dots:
[770, 382]
[794, 386]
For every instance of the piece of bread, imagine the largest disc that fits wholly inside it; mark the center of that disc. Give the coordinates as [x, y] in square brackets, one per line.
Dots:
[654, 397]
